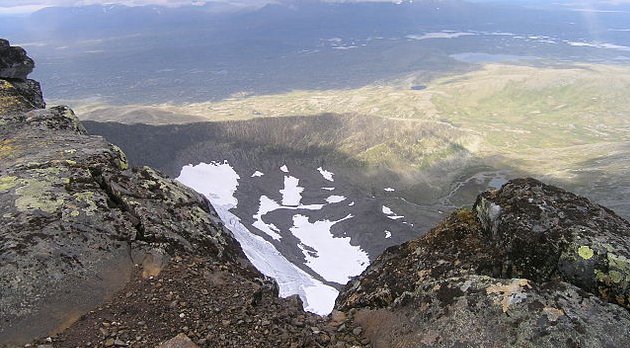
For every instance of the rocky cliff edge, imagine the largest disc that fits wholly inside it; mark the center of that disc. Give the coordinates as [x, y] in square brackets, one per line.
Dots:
[94, 253]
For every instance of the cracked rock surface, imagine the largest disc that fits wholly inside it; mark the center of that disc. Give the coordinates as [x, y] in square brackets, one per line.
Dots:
[529, 265]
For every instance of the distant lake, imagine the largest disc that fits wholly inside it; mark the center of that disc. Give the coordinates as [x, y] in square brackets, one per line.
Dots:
[419, 87]
[479, 57]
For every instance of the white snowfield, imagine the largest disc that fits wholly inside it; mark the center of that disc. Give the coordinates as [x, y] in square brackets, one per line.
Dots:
[335, 259]
[268, 205]
[291, 193]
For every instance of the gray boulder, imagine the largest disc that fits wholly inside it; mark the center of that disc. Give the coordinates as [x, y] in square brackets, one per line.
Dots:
[530, 265]
[14, 63]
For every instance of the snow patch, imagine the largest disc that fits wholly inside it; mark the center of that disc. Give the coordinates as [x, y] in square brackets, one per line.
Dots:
[333, 258]
[328, 188]
[218, 182]
[266, 205]
[335, 199]
[257, 174]
[326, 174]
[388, 234]
[291, 193]
[284, 168]
[389, 189]
[390, 214]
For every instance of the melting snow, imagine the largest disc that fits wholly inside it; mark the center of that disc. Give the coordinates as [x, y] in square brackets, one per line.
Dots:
[218, 182]
[335, 259]
[266, 205]
[291, 193]
[257, 174]
[284, 168]
[335, 199]
[390, 214]
[326, 174]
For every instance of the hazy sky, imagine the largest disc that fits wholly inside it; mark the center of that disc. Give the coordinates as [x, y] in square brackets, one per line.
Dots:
[26, 6]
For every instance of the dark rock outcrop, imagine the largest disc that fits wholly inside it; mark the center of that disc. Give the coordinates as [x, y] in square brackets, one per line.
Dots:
[75, 219]
[530, 265]
[14, 63]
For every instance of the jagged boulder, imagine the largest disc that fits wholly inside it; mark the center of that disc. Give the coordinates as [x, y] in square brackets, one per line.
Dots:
[14, 63]
[514, 271]
[17, 93]
[543, 232]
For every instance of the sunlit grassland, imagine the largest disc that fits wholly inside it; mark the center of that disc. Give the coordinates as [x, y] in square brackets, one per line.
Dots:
[567, 123]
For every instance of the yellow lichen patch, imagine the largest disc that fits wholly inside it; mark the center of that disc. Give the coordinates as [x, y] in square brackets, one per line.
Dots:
[88, 198]
[6, 148]
[38, 194]
[122, 158]
[7, 182]
[585, 252]
[509, 294]
[619, 268]
[553, 314]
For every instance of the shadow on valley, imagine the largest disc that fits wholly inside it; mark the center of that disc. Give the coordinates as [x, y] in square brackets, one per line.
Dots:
[396, 178]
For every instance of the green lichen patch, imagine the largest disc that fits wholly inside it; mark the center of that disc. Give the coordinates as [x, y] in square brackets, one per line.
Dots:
[7, 182]
[38, 194]
[87, 198]
[123, 164]
[6, 148]
[619, 265]
[585, 252]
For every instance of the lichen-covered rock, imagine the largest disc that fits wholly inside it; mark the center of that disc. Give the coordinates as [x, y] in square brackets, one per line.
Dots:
[543, 232]
[515, 271]
[14, 63]
[480, 311]
[74, 219]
